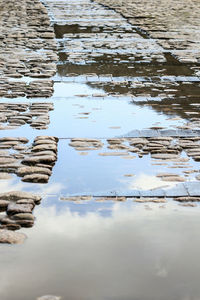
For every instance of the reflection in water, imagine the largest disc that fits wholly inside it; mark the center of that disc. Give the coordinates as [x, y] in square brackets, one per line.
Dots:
[116, 251]
[147, 182]
[11, 185]
[133, 254]
[93, 171]
[114, 111]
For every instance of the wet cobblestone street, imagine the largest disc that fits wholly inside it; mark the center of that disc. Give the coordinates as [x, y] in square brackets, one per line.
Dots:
[99, 145]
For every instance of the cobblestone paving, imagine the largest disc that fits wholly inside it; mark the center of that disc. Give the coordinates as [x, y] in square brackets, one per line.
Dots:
[102, 59]
[14, 115]
[174, 25]
[27, 47]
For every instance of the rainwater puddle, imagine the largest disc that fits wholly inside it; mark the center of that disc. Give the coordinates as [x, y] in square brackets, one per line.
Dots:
[81, 110]
[105, 171]
[124, 252]
[111, 81]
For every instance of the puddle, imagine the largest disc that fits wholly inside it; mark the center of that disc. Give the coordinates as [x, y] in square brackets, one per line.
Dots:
[112, 81]
[105, 171]
[79, 109]
[108, 253]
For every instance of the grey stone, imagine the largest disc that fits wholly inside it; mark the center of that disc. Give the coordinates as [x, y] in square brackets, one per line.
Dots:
[14, 208]
[17, 195]
[25, 223]
[23, 216]
[10, 237]
[39, 159]
[36, 178]
[32, 170]
[3, 204]
[164, 156]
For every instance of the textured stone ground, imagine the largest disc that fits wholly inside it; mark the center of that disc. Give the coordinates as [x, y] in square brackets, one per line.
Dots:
[99, 52]
[174, 24]
[27, 47]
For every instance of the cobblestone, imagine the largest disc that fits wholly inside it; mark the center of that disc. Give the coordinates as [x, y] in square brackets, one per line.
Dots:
[27, 46]
[174, 25]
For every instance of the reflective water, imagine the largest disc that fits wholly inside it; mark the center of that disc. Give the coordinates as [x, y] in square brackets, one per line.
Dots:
[84, 111]
[99, 171]
[121, 252]
[110, 81]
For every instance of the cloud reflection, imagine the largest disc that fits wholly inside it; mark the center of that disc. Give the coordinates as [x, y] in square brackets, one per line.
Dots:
[133, 254]
[147, 182]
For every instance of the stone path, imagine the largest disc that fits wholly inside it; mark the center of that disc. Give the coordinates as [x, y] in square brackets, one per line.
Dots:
[27, 49]
[174, 25]
[140, 65]
[109, 74]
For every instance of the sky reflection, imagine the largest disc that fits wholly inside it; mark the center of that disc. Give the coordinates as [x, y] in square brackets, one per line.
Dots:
[133, 254]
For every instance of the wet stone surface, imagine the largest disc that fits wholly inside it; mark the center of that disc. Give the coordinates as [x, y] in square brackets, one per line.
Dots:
[173, 25]
[101, 57]
[115, 57]
[15, 212]
[33, 163]
[14, 115]
[27, 48]
[117, 159]
[10, 237]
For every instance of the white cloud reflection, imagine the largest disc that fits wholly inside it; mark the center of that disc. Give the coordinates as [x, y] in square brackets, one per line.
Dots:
[134, 254]
[147, 182]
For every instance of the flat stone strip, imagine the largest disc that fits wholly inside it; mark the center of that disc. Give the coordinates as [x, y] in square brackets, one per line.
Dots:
[148, 134]
[162, 133]
[97, 78]
[187, 189]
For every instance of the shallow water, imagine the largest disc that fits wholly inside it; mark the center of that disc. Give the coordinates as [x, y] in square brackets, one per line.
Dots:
[110, 81]
[124, 252]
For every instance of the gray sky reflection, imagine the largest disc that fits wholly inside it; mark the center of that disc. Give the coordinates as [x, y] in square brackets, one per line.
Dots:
[133, 254]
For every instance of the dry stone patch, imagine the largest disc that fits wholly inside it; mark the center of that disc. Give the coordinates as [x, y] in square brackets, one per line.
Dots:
[81, 144]
[41, 159]
[35, 89]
